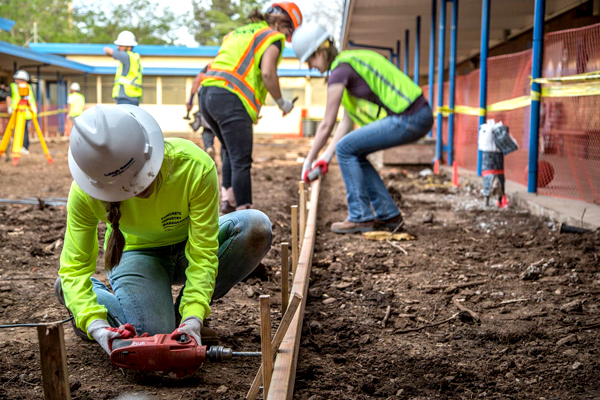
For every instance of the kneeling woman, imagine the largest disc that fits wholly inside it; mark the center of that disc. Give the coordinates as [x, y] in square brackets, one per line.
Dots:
[160, 201]
[389, 108]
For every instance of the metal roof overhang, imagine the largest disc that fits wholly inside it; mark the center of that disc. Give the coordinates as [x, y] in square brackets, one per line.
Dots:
[29, 60]
[383, 22]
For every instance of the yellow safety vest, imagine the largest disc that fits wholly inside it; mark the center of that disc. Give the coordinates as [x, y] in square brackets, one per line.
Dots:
[132, 82]
[236, 67]
[15, 98]
[77, 103]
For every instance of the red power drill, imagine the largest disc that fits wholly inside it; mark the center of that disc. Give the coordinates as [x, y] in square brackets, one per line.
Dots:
[161, 353]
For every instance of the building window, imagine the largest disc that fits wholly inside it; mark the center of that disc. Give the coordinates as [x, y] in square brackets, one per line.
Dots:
[173, 90]
[318, 96]
[88, 88]
[288, 94]
[149, 90]
[108, 81]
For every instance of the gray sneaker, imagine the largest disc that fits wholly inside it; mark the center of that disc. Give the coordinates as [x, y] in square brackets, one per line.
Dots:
[61, 299]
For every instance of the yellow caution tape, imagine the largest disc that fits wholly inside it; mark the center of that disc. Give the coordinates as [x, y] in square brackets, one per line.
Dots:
[535, 96]
[573, 90]
[42, 114]
[588, 76]
[382, 235]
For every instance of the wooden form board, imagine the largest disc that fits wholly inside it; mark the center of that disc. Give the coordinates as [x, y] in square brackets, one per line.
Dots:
[284, 372]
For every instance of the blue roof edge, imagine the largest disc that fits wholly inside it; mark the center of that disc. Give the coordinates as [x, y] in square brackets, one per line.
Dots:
[143, 50]
[6, 24]
[150, 71]
[52, 59]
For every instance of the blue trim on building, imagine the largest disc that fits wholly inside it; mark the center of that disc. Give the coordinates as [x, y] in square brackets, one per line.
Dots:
[6, 24]
[58, 61]
[143, 50]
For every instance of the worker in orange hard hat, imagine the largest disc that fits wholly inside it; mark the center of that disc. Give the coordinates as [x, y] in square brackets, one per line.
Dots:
[234, 89]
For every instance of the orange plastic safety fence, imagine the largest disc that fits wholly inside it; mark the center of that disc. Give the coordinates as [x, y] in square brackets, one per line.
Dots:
[569, 156]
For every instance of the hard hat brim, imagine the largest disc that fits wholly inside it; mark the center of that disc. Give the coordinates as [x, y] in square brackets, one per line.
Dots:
[139, 182]
[131, 44]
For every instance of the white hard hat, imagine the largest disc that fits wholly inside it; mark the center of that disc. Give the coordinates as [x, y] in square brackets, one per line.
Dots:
[115, 151]
[126, 38]
[20, 74]
[75, 86]
[307, 39]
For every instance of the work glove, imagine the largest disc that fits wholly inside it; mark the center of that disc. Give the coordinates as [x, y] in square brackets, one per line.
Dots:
[190, 326]
[285, 105]
[306, 167]
[10, 110]
[322, 163]
[104, 334]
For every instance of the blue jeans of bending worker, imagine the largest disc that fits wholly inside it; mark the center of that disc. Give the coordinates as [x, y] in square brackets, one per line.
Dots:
[134, 101]
[142, 280]
[364, 187]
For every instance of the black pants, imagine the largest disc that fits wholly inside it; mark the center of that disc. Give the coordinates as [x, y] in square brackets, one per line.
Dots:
[230, 121]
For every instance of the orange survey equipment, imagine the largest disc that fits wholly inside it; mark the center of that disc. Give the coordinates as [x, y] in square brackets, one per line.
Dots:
[17, 122]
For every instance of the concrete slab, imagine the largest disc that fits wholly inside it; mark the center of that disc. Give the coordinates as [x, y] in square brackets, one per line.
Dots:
[568, 211]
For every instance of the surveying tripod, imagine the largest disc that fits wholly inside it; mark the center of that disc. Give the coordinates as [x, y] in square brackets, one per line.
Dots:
[17, 122]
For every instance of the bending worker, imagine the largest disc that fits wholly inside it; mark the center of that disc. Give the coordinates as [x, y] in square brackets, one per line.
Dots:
[128, 79]
[208, 136]
[21, 77]
[235, 87]
[159, 199]
[390, 110]
[76, 102]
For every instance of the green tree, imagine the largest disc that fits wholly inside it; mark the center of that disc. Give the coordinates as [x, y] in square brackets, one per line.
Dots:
[149, 23]
[213, 19]
[92, 22]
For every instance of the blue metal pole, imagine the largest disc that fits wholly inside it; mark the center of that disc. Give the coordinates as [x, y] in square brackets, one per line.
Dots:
[58, 101]
[406, 50]
[398, 54]
[441, 49]
[536, 72]
[417, 50]
[452, 101]
[485, 38]
[432, 54]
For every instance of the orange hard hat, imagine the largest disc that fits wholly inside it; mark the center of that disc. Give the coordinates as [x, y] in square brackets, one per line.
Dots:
[292, 10]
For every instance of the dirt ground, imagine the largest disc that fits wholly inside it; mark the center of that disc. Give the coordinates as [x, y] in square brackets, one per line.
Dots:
[536, 293]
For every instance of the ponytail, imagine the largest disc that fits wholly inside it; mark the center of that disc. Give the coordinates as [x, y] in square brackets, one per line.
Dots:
[256, 15]
[116, 242]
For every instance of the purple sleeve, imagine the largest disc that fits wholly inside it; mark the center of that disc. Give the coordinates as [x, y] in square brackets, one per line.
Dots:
[340, 74]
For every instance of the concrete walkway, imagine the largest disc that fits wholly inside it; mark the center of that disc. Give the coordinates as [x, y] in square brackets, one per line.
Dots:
[561, 210]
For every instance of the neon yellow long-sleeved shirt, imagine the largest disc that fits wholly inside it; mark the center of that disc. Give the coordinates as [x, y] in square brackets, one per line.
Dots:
[186, 207]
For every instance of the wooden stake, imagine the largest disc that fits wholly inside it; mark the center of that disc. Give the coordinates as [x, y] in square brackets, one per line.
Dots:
[53, 357]
[277, 339]
[265, 342]
[285, 277]
[302, 205]
[294, 239]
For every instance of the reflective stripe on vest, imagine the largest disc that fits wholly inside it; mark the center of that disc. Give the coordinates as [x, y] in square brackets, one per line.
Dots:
[132, 82]
[238, 83]
[236, 66]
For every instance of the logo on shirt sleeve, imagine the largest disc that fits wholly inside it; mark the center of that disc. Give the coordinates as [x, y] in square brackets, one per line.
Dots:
[173, 221]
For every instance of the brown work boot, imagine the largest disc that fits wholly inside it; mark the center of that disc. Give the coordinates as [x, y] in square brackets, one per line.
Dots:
[391, 223]
[226, 208]
[352, 227]
[61, 299]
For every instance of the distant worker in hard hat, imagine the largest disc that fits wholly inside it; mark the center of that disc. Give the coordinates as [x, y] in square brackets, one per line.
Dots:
[235, 87]
[21, 77]
[128, 79]
[388, 107]
[76, 105]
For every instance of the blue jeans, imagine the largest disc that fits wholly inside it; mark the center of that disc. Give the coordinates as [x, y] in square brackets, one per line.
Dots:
[134, 101]
[142, 280]
[364, 187]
